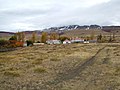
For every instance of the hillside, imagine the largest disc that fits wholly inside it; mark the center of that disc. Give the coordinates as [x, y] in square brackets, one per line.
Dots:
[72, 31]
[83, 32]
[6, 35]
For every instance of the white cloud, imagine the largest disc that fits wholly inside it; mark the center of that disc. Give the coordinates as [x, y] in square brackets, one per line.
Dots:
[36, 14]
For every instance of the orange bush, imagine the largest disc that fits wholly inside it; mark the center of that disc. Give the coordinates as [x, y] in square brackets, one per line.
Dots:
[19, 44]
[12, 41]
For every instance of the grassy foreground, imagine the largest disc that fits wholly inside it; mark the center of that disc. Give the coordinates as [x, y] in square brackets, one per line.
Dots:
[41, 67]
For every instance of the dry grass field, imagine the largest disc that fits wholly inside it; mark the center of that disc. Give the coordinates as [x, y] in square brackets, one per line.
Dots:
[88, 33]
[61, 67]
[84, 32]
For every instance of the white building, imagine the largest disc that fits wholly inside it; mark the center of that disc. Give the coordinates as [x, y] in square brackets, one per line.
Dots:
[66, 41]
[77, 40]
[37, 44]
[53, 42]
[86, 42]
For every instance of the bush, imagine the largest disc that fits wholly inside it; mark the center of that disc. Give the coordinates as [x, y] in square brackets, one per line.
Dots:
[29, 43]
[11, 73]
[63, 38]
[15, 43]
[39, 70]
[38, 42]
[4, 43]
[37, 61]
[13, 38]
[19, 44]
[11, 46]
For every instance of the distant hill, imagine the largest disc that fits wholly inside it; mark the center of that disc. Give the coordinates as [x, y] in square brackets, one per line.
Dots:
[115, 29]
[6, 35]
[83, 32]
[71, 31]
[3, 32]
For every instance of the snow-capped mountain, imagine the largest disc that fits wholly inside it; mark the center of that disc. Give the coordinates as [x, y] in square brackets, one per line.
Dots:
[72, 27]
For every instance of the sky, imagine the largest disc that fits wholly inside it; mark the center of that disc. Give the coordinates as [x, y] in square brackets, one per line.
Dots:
[21, 15]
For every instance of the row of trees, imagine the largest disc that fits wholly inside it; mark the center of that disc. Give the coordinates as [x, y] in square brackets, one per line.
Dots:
[19, 38]
[101, 38]
[52, 36]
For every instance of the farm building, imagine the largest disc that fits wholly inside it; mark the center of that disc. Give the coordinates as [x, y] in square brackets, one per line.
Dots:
[53, 42]
[77, 40]
[93, 41]
[86, 42]
[25, 44]
[37, 44]
[67, 41]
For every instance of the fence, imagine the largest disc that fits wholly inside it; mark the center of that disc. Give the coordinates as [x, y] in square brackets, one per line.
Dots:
[7, 49]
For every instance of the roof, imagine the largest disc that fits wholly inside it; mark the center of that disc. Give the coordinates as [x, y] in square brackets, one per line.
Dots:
[67, 40]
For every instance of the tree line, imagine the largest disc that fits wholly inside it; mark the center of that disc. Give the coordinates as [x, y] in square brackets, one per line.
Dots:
[19, 38]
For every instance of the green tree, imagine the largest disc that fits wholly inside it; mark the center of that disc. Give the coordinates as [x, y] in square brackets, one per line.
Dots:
[13, 38]
[29, 43]
[63, 38]
[99, 38]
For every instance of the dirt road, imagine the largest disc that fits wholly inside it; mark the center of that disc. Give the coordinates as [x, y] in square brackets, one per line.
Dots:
[89, 75]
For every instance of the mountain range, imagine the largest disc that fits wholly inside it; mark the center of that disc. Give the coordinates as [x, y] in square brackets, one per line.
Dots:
[62, 29]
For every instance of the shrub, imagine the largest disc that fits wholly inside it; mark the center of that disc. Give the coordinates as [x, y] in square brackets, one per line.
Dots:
[117, 71]
[4, 42]
[63, 38]
[38, 42]
[29, 43]
[11, 46]
[37, 61]
[39, 70]
[11, 73]
[14, 43]
[19, 44]
[13, 38]
[54, 59]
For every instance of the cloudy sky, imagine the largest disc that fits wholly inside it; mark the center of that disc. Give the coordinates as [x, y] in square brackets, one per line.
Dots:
[16, 15]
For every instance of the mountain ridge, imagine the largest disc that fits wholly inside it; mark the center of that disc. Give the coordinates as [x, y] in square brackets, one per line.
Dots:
[68, 28]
